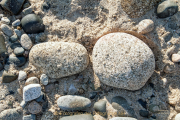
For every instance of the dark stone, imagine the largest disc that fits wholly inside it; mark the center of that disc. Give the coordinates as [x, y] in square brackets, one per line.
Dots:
[45, 6]
[44, 106]
[15, 45]
[8, 77]
[153, 116]
[167, 36]
[78, 117]
[13, 6]
[32, 23]
[10, 114]
[13, 38]
[92, 95]
[11, 92]
[172, 25]
[41, 98]
[100, 107]
[152, 85]
[144, 113]
[18, 51]
[29, 117]
[18, 61]
[124, 110]
[143, 103]
[1, 67]
[167, 9]
[2, 44]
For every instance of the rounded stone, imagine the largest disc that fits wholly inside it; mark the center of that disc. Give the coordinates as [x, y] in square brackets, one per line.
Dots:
[15, 45]
[176, 58]
[16, 23]
[13, 38]
[8, 77]
[18, 61]
[78, 117]
[73, 102]
[6, 30]
[177, 117]
[31, 92]
[5, 20]
[32, 23]
[122, 118]
[34, 107]
[59, 59]
[100, 107]
[44, 79]
[26, 42]
[123, 61]
[22, 75]
[145, 26]
[144, 113]
[32, 80]
[167, 9]
[18, 51]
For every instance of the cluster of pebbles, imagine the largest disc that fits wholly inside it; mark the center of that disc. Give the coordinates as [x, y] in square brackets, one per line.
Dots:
[119, 59]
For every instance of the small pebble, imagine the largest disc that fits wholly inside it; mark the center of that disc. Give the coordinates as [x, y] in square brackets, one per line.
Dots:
[10, 114]
[22, 75]
[18, 16]
[29, 117]
[26, 5]
[18, 61]
[26, 42]
[5, 20]
[18, 33]
[92, 95]
[31, 92]
[27, 10]
[34, 107]
[15, 45]
[100, 106]
[8, 77]
[177, 117]
[144, 113]
[6, 30]
[45, 6]
[143, 103]
[49, 88]
[18, 51]
[41, 37]
[78, 117]
[32, 80]
[72, 90]
[176, 58]
[44, 79]
[23, 104]
[1, 67]
[41, 98]
[145, 26]
[16, 23]
[153, 108]
[13, 38]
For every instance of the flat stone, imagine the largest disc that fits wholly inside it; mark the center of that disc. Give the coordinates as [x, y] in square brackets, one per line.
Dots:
[13, 38]
[123, 61]
[26, 42]
[34, 107]
[121, 105]
[78, 117]
[27, 10]
[31, 91]
[167, 9]
[18, 61]
[100, 107]
[48, 57]
[10, 114]
[18, 51]
[12, 5]
[122, 118]
[16, 23]
[73, 102]
[8, 77]
[29, 117]
[15, 45]
[6, 30]
[32, 23]
[5, 20]
[18, 33]
[32, 80]
[44, 79]
[145, 26]
[175, 57]
[2, 44]
[177, 117]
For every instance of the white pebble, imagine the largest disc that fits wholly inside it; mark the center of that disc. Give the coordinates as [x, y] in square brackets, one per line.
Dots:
[145, 26]
[176, 58]
[5, 20]
[44, 79]
[22, 75]
[26, 42]
[16, 23]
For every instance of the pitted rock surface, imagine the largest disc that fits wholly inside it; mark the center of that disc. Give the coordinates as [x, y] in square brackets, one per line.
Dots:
[123, 61]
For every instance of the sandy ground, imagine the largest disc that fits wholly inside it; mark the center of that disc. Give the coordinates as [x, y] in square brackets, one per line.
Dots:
[84, 21]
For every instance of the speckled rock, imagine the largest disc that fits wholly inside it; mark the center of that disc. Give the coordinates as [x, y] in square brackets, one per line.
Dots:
[123, 61]
[22, 75]
[2, 44]
[34, 107]
[10, 114]
[16, 23]
[5, 20]
[176, 58]
[31, 92]
[78, 117]
[122, 118]
[177, 117]
[6, 30]
[48, 57]
[44, 79]
[167, 9]
[73, 102]
[26, 42]
[145, 26]
[32, 80]
[8, 77]
[32, 23]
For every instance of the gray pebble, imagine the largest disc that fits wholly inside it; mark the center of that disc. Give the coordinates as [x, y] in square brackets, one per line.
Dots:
[13, 38]
[29, 117]
[144, 113]
[10, 114]
[5, 20]
[1, 15]
[26, 42]
[31, 92]
[100, 106]
[44, 79]
[72, 90]
[6, 30]
[49, 88]
[16, 23]
[27, 10]
[2, 44]
[26, 5]
[34, 107]
[18, 33]
[1, 67]
[41, 37]
[23, 104]
[41, 98]
[8, 77]
[32, 80]
[123, 118]
[18, 51]
[78, 117]
[19, 61]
